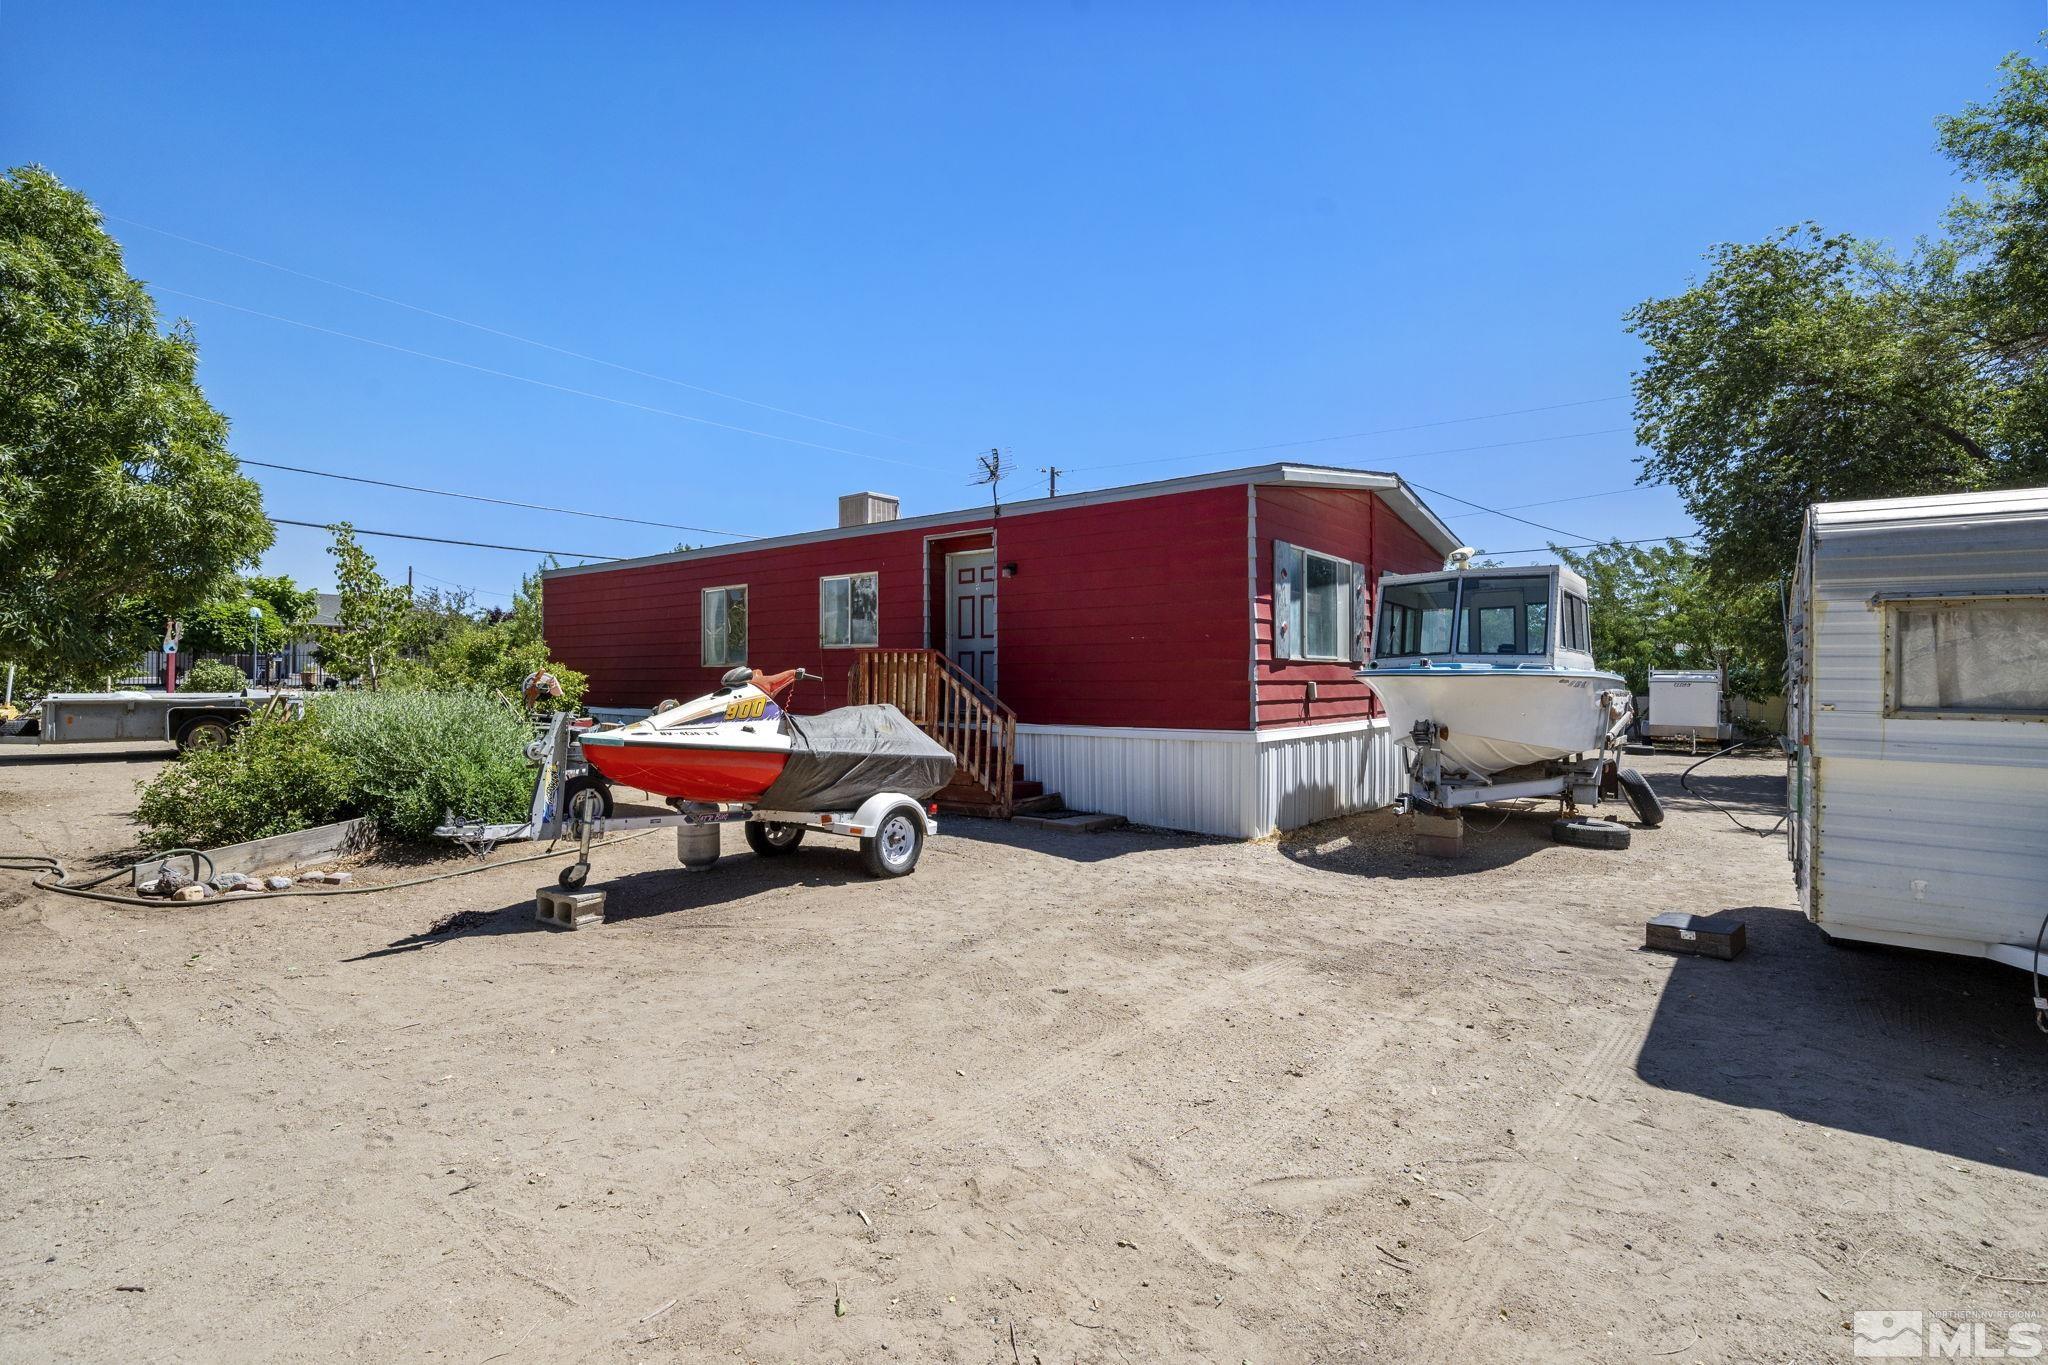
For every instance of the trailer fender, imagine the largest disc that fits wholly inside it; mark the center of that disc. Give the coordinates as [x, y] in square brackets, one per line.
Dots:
[881, 803]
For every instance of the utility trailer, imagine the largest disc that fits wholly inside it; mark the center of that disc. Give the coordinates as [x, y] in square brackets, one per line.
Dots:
[569, 800]
[190, 720]
[1685, 703]
[1917, 720]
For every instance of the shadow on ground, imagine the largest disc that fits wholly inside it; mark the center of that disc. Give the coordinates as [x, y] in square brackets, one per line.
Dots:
[1921, 1048]
[1382, 844]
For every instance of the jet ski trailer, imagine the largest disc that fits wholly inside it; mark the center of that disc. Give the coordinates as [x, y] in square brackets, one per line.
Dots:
[890, 826]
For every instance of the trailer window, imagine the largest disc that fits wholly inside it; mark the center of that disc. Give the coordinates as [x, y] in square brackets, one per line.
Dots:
[1415, 618]
[849, 610]
[1504, 616]
[724, 626]
[1961, 656]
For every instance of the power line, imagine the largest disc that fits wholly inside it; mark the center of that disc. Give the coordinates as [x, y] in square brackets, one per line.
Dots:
[1492, 511]
[441, 540]
[538, 383]
[1599, 544]
[500, 332]
[1381, 431]
[1580, 497]
[501, 502]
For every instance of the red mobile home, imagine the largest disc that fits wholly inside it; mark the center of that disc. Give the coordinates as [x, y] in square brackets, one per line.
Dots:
[1180, 652]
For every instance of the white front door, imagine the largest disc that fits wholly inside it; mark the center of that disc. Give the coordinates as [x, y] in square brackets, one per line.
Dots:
[971, 614]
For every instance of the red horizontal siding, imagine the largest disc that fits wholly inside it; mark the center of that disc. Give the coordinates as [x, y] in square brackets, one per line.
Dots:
[1128, 613]
[1351, 525]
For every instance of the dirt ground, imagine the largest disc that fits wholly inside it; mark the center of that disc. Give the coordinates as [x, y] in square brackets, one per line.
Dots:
[1120, 1097]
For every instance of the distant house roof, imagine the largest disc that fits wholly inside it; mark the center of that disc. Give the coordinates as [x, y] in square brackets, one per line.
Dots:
[328, 611]
[1392, 487]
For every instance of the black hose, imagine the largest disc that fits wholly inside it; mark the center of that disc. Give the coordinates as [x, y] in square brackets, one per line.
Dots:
[1685, 785]
[2040, 1001]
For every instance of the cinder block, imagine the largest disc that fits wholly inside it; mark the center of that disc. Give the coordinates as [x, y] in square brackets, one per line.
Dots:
[561, 909]
[1439, 836]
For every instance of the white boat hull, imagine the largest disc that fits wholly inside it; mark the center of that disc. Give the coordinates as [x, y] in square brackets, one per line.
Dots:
[1490, 721]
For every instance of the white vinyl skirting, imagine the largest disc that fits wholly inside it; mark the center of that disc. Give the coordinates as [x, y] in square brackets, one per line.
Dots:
[1241, 784]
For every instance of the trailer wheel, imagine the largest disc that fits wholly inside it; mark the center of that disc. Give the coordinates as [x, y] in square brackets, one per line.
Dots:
[893, 849]
[1635, 789]
[573, 876]
[772, 839]
[1585, 832]
[204, 732]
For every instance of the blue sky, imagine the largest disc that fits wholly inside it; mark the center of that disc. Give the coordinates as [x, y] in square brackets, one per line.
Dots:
[1112, 238]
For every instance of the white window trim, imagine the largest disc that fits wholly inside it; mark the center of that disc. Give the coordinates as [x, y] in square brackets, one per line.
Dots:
[1343, 590]
[702, 593]
[875, 574]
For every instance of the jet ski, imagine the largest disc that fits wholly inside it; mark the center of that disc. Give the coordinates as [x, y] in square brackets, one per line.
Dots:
[727, 746]
[739, 746]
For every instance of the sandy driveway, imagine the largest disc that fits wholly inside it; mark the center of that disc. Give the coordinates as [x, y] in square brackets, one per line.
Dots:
[1055, 1097]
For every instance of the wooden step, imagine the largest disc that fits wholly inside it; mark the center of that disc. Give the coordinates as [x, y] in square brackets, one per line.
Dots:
[1073, 822]
[1024, 791]
[1039, 803]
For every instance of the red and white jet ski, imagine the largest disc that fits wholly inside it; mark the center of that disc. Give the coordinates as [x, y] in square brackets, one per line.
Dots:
[727, 746]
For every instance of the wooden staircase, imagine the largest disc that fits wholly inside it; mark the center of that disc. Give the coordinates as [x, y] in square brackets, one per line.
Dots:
[980, 732]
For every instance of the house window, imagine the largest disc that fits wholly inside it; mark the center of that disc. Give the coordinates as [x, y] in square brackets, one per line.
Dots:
[724, 629]
[1325, 606]
[849, 610]
[1962, 656]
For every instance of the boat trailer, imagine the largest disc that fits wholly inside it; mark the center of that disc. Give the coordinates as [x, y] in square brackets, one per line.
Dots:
[1437, 796]
[570, 800]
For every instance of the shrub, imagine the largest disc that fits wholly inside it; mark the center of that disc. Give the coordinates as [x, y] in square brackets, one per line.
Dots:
[213, 675]
[277, 776]
[402, 758]
[412, 756]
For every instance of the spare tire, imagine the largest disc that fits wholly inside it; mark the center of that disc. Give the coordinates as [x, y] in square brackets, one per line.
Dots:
[1635, 789]
[1582, 831]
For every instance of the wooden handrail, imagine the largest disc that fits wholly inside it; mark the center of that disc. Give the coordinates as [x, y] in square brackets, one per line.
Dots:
[945, 702]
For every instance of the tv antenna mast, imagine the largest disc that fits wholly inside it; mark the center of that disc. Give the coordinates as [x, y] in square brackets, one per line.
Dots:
[993, 470]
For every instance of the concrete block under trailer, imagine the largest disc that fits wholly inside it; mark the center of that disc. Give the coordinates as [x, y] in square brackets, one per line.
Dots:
[569, 799]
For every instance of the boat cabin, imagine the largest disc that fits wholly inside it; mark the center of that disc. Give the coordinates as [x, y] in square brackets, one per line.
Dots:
[1520, 617]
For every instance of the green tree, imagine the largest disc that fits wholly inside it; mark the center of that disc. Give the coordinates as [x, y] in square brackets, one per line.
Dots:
[1812, 367]
[1655, 606]
[116, 485]
[372, 612]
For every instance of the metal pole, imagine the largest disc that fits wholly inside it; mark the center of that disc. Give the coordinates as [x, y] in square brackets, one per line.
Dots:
[10, 686]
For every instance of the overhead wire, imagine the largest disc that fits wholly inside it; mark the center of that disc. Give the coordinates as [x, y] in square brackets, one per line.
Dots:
[1492, 511]
[441, 540]
[1355, 435]
[501, 332]
[538, 383]
[501, 502]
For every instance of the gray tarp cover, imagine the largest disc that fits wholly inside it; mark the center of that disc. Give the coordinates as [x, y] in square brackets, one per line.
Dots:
[840, 759]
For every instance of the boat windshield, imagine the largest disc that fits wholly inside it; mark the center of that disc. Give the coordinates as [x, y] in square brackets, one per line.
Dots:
[1504, 616]
[1415, 618]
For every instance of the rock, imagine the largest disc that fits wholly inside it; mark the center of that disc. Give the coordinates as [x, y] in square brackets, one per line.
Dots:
[339, 878]
[229, 881]
[169, 879]
[150, 889]
[189, 893]
[278, 883]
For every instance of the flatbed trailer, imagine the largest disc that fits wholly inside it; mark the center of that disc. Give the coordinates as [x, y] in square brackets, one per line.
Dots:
[571, 801]
[190, 720]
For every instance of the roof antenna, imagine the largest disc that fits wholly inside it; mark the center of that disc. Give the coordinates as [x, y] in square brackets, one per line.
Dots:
[1460, 559]
[992, 471]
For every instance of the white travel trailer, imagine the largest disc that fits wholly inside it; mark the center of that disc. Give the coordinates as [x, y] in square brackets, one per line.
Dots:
[1917, 632]
[1685, 703]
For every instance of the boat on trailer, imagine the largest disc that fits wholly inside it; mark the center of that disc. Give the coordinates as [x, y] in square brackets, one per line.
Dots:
[1489, 684]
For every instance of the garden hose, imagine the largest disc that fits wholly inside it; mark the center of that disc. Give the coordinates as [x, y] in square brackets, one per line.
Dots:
[1686, 785]
[51, 875]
